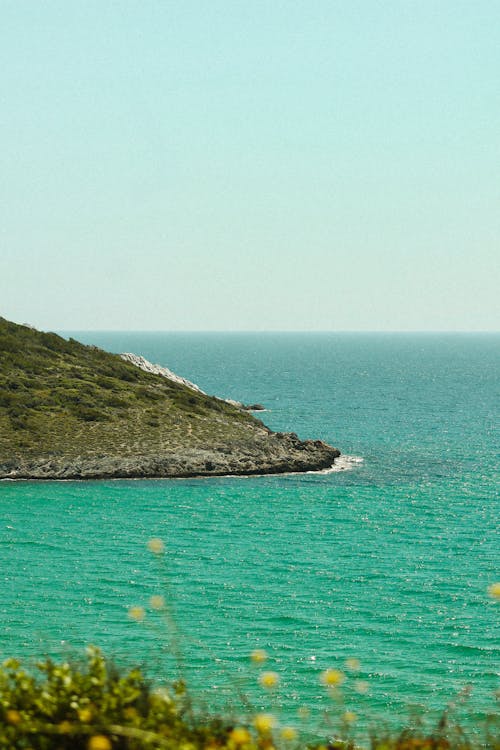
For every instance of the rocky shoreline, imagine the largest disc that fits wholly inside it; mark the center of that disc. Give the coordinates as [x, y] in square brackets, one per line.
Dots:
[277, 453]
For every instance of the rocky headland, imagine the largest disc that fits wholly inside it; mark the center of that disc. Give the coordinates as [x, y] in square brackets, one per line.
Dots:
[69, 411]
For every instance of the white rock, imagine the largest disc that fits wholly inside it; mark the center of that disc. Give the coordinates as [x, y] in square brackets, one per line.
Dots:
[143, 364]
[232, 402]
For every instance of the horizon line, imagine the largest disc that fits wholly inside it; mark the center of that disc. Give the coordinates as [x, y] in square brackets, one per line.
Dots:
[280, 331]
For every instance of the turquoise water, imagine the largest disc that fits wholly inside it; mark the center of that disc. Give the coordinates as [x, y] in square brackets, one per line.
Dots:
[388, 561]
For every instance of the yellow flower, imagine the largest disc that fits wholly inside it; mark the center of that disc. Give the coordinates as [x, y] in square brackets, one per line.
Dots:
[12, 716]
[157, 602]
[99, 742]
[288, 734]
[332, 677]
[136, 613]
[269, 679]
[263, 723]
[361, 687]
[494, 590]
[349, 717]
[65, 727]
[85, 715]
[259, 656]
[240, 736]
[353, 665]
[156, 546]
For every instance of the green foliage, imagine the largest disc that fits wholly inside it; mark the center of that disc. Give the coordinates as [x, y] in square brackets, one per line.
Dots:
[93, 706]
[66, 705]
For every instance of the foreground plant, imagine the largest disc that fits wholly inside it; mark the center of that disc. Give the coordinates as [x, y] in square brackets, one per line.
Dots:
[92, 706]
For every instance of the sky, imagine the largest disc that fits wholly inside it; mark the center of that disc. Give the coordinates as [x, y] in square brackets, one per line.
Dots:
[235, 165]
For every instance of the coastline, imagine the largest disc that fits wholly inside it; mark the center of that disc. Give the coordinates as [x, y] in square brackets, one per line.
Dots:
[274, 453]
[340, 464]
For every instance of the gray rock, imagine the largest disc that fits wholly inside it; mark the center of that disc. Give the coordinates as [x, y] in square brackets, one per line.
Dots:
[273, 453]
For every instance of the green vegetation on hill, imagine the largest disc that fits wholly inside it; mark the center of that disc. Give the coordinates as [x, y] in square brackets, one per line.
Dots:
[59, 396]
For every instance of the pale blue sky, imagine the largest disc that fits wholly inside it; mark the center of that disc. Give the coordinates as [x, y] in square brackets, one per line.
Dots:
[314, 165]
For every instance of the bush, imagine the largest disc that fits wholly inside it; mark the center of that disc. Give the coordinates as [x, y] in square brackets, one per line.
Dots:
[88, 413]
[69, 706]
[93, 706]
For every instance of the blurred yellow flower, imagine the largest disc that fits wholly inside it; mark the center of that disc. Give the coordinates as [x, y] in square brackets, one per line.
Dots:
[259, 656]
[136, 613]
[288, 734]
[85, 715]
[65, 727]
[353, 665]
[12, 716]
[269, 679]
[240, 736]
[332, 677]
[156, 546]
[99, 742]
[349, 717]
[263, 723]
[157, 602]
[494, 590]
[361, 687]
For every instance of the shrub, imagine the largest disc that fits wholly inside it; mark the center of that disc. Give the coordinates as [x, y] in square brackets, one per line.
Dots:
[92, 705]
[88, 413]
[66, 705]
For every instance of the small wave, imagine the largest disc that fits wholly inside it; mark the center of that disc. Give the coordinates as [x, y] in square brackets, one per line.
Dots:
[342, 463]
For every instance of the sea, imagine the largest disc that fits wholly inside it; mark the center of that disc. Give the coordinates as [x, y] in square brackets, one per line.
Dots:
[378, 568]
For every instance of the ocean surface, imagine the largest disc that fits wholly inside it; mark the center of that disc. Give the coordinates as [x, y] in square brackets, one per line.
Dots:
[387, 560]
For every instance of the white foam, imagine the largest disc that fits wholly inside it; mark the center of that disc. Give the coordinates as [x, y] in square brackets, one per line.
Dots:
[342, 463]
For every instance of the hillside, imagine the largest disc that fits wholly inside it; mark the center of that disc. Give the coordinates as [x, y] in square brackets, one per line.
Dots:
[73, 411]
